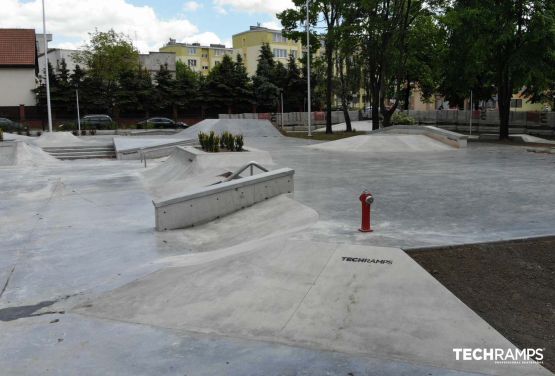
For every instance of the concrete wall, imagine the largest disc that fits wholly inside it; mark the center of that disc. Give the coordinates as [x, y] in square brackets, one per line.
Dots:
[453, 139]
[16, 85]
[209, 203]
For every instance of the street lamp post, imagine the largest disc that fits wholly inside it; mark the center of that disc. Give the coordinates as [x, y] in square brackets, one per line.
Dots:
[78, 116]
[281, 93]
[309, 114]
[46, 69]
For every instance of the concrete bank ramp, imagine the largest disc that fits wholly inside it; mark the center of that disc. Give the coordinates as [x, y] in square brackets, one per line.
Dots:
[59, 139]
[19, 153]
[363, 300]
[384, 143]
[246, 127]
[152, 147]
[188, 167]
[277, 216]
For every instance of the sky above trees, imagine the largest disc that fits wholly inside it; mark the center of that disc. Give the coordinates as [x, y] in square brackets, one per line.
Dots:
[149, 23]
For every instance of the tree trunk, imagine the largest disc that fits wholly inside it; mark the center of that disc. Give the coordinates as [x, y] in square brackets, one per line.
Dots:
[329, 85]
[174, 112]
[375, 88]
[344, 104]
[504, 95]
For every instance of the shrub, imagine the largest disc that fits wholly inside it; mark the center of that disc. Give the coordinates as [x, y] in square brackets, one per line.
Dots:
[1, 135]
[213, 143]
[239, 142]
[402, 118]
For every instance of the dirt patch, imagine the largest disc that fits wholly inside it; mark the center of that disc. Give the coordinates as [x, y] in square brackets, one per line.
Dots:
[510, 284]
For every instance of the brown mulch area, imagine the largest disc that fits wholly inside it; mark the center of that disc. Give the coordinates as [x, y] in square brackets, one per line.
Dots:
[510, 284]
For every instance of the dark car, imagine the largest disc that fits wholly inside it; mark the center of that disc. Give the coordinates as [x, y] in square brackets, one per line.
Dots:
[160, 122]
[11, 126]
[97, 122]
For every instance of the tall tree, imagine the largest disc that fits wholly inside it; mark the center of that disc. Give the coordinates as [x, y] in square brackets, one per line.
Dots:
[510, 43]
[295, 88]
[107, 56]
[330, 12]
[266, 90]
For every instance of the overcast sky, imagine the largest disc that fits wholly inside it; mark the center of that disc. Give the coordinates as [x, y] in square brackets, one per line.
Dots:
[149, 23]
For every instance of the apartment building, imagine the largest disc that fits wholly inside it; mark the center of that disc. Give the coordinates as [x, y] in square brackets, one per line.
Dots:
[248, 44]
[200, 59]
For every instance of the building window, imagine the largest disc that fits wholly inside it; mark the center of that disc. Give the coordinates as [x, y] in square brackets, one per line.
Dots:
[192, 51]
[294, 53]
[516, 103]
[205, 56]
[192, 63]
[278, 38]
[219, 52]
[205, 67]
[279, 52]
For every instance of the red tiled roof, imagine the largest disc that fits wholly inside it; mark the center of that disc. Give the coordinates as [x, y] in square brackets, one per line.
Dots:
[17, 47]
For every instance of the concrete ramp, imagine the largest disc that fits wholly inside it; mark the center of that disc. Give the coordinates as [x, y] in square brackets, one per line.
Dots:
[246, 127]
[384, 143]
[55, 139]
[19, 153]
[362, 300]
[274, 217]
[187, 168]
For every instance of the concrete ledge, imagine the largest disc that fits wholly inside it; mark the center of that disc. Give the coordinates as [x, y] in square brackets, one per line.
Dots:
[153, 151]
[208, 203]
[456, 140]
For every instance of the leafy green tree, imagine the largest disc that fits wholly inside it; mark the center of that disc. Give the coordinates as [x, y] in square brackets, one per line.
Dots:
[219, 87]
[242, 86]
[166, 91]
[187, 85]
[295, 88]
[107, 56]
[330, 13]
[265, 90]
[508, 44]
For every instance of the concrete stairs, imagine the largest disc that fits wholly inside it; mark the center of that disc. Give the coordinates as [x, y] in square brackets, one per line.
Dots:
[82, 152]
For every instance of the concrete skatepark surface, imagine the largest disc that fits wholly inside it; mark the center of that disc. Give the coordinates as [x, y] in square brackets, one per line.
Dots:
[81, 234]
[384, 144]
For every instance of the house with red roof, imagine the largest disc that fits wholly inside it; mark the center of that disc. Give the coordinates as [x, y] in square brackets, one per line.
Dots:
[18, 72]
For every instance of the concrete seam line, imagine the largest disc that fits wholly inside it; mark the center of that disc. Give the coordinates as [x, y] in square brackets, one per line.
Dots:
[310, 288]
[7, 282]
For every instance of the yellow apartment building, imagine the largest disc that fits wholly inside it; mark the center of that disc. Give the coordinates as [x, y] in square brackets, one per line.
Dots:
[200, 59]
[248, 44]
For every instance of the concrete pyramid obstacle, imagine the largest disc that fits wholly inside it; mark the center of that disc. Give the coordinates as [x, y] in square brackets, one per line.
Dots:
[246, 127]
[363, 300]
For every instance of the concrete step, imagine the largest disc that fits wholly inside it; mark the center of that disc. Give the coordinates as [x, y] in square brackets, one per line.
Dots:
[82, 152]
[86, 156]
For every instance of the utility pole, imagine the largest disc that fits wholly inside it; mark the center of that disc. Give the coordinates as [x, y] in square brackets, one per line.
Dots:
[78, 116]
[309, 114]
[471, 105]
[46, 69]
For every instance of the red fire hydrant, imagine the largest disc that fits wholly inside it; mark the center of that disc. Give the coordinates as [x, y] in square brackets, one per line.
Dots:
[366, 199]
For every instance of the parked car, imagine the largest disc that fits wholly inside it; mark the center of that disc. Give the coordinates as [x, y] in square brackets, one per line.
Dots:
[160, 122]
[97, 122]
[11, 126]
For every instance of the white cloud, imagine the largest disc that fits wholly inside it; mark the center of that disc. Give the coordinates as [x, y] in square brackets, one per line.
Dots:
[259, 6]
[273, 24]
[73, 20]
[191, 6]
[220, 10]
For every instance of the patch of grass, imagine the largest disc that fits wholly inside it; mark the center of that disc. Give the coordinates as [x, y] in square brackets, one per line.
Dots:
[321, 136]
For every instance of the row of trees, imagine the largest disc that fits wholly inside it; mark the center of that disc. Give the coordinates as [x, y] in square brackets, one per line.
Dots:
[448, 47]
[115, 83]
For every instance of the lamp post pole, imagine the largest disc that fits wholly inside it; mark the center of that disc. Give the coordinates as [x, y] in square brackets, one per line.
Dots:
[78, 116]
[46, 69]
[309, 114]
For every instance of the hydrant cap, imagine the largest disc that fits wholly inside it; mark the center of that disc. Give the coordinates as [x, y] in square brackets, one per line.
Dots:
[369, 199]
